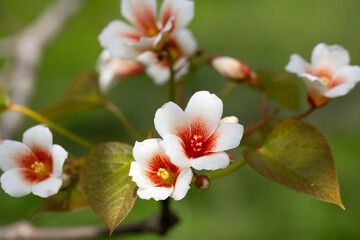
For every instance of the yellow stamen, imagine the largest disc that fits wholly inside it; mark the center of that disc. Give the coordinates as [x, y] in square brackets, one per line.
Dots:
[163, 173]
[38, 167]
[152, 32]
[325, 80]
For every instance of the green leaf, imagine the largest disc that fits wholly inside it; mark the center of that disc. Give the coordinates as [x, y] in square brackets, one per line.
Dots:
[105, 182]
[82, 95]
[281, 87]
[68, 199]
[296, 155]
[258, 137]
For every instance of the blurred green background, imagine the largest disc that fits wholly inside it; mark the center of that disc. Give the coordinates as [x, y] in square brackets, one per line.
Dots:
[262, 34]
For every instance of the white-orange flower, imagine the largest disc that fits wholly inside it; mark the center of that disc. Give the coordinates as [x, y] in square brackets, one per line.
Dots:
[154, 173]
[329, 74]
[34, 165]
[181, 46]
[113, 69]
[125, 41]
[195, 137]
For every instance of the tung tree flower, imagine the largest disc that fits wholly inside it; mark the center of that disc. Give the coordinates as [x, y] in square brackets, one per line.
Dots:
[35, 165]
[113, 69]
[195, 137]
[155, 175]
[125, 42]
[231, 68]
[181, 45]
[328, 76]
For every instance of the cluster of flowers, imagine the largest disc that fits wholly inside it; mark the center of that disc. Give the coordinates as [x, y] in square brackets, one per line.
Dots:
[194, 138]
[147, 42]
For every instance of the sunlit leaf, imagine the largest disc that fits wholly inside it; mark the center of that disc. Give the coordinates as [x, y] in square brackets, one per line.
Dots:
[82, 95]
[296, 155]
[106, 184]
[281, 87]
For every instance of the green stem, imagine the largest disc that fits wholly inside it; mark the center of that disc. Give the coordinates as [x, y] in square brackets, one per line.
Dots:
[38, 117]
[226, 90]
[305, 114]
[172, 76]
[261, 123]
[121, 117]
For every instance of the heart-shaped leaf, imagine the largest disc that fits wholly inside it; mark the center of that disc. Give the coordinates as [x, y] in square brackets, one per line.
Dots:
[105, 182]
[82, 95]
[281, 87]
[296, 155]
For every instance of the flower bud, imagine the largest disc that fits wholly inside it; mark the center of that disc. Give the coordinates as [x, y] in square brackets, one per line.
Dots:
[230, 119]
[231, 68]
[202, 182]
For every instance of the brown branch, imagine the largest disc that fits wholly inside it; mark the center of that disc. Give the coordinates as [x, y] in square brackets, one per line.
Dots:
[25, 51]
[159, 224]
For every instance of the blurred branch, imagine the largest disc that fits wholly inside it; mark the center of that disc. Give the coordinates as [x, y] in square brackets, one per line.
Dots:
[159, 224]
[25, 50]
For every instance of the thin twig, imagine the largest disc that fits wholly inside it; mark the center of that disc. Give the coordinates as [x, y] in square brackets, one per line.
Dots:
[26, 49]
[159, 224]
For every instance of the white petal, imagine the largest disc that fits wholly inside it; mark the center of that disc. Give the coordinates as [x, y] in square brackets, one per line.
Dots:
[116, 35]
[159, 73]
[348, 74]
[170, 119]
[181, 67]
[163, 36]
[211, 162]
[13, 183]
[182, 184]
[59, 155]
[297, 64]
[227, 136]
[174, 148]
[147, 58]
[141, 13]
[47, 187]
[145, 43]
[38, 137]
[144, 151]
[340, 90]
[10, 152]
[230, 119]
[182, 10]
[206, 108]
[158, 193]
[186, 41]
[137, 174]
[314, 84]
[330, 57]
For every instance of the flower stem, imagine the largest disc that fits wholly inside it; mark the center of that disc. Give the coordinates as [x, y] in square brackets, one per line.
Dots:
[260, 123]
[172, 76]
[40, 118]
[121, 117]
[233, 167]
[305, 114]
[226, 90]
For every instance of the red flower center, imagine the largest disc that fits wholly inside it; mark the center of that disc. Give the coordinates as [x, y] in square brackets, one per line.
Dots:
[161, 172]
[37, 166]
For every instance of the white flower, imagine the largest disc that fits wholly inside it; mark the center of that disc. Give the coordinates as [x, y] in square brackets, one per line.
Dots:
[195, 137]
[113, 69]
[155, 175]
[231, 68]
[181, 45]
[329, 74]
[125, 41]
[35, 165]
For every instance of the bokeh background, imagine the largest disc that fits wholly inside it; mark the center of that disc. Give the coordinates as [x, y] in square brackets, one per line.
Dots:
[261, 33]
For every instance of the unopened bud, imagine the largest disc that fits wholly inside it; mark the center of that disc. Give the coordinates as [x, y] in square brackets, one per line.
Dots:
[231, 68]
[231, 158]
[230, 119]
[202, 182]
